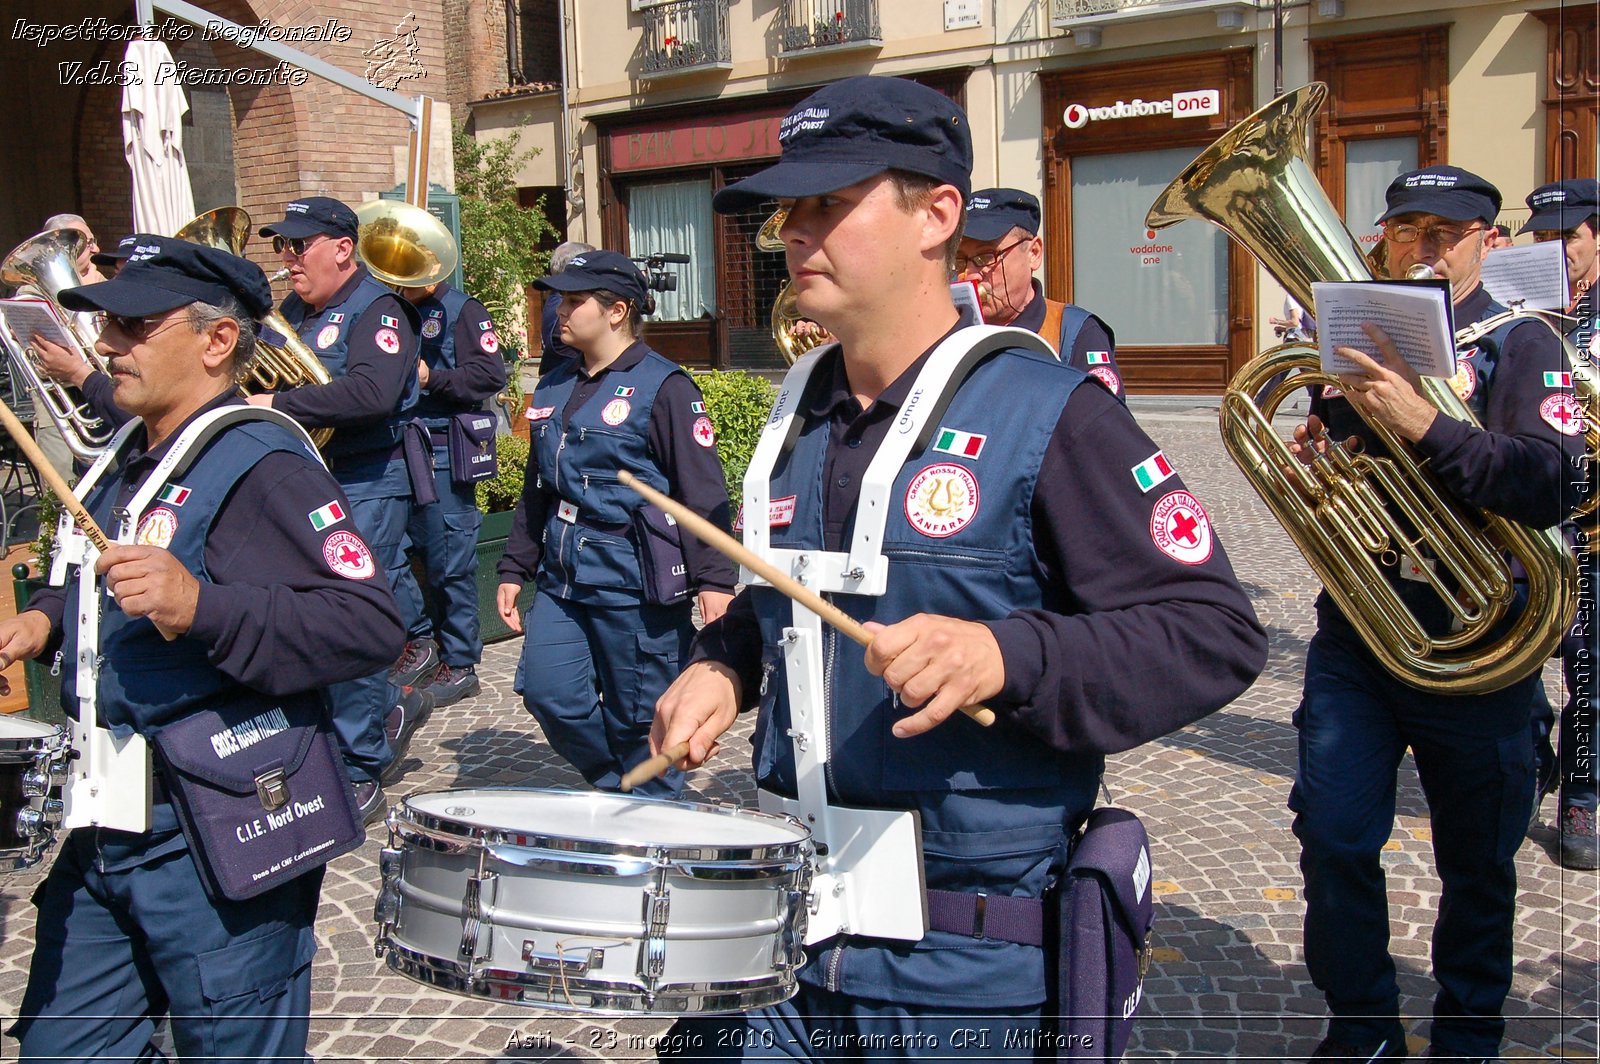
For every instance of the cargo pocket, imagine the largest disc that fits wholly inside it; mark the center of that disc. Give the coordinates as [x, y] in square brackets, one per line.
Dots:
[249, 980]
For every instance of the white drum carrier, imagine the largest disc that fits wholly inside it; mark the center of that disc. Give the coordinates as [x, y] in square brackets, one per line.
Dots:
[33, 761]
[602, 903]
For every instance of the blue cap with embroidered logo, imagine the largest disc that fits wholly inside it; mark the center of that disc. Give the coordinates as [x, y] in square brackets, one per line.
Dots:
[594, 270]
[311, 215]
[858, 128]
[163, 273]
[1563, 205]
[1446, 191]
[994, 212]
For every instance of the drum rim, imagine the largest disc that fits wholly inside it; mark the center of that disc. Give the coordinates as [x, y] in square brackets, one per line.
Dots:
[22, 748]
[405, 813]
[548, 990]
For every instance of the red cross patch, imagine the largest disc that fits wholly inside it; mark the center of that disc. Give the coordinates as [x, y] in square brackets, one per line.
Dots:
[704, 434]
[1180, 527]
[387, 339]
[348, 556]
[1563, 413]
[489, 342]
[1107, 376]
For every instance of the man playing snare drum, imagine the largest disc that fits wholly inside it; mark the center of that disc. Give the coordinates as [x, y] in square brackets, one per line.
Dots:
[265, 603]
[1085, 635]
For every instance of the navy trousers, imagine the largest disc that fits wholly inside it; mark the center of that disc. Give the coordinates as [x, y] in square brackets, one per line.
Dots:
[126, 933]
[817, 1025]
[590, 675]
[379, 492]
[445, 534]
[1475, 759]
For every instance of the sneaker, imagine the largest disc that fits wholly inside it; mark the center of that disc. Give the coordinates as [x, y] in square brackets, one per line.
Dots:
[451, 684]
[417, 664]
[408, 714]
[1578, 844]
[370, 801]
[1331, 1048]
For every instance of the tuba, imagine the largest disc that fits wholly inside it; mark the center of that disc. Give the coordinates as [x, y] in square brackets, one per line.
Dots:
[403, 245]
[46, 263]
[275, 368]
[1256, 184]
[786, 314]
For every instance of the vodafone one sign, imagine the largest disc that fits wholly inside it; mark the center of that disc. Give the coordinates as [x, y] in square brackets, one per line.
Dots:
[1182, 105]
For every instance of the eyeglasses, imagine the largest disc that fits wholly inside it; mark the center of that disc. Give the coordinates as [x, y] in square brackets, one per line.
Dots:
[1444, 236]
[140, 329]
[296, 244]
[985, 260]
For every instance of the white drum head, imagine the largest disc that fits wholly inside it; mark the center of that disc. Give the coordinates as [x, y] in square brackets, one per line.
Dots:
[607, 819]
[23, 738]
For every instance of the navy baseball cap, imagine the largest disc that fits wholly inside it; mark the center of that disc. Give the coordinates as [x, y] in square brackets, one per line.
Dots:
[311, 215]
[994, 212]
[1447, 191]
[1563, 205]
[164, 273]
[858, 128]
[594, 270]
[118, 255]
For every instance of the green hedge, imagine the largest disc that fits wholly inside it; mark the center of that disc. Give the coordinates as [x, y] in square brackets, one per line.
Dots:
[501, 491]
[737, 403]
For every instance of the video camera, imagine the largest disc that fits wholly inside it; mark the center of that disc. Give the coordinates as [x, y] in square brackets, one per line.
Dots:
[656, 277]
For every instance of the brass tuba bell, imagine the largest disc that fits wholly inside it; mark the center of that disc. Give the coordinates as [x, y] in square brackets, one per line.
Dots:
[1256, 184]
[403, 245]
[275, 368]
[786, 316]
[46, 264]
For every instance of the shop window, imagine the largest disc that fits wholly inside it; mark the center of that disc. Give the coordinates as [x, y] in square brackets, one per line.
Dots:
[1369, 167]
[675, 217]
[1166, 288]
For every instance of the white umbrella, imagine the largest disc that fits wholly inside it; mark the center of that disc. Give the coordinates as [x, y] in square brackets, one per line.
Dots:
[152, 141]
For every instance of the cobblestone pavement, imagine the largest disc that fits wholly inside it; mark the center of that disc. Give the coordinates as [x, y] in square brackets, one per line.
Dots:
[1228, 979]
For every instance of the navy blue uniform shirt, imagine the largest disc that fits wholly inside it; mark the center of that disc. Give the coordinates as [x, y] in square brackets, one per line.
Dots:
[277, 619]
[694, 471]
[373, 379]
[1072, 679]
[479, 372]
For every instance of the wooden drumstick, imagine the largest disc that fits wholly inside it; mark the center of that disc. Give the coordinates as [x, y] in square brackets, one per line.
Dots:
[58, 484]
[651, 767]
[733, 550]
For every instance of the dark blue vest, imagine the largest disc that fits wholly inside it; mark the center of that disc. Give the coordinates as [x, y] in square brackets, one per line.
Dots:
[341, 318]
[592, 558]
[146, 682]
[441, 310]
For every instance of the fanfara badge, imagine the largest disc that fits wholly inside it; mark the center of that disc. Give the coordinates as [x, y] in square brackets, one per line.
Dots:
[942, 500]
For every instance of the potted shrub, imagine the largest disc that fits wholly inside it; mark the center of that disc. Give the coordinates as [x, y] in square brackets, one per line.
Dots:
[44, 690]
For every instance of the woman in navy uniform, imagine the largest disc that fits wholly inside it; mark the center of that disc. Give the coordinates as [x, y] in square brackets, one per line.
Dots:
[263, 601]
[580, 536]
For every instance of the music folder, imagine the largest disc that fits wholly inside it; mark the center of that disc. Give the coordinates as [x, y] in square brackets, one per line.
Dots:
[1415, 315]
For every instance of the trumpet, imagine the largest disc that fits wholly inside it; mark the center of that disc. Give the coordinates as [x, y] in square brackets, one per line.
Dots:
[786, 316]
[46, 264]
[1350, 514]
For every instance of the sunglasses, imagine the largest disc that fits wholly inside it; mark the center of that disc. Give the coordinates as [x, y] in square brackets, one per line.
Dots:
[138, 329]
[296, 244]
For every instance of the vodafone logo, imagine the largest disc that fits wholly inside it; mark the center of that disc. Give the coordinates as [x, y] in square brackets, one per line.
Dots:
[1189, 104]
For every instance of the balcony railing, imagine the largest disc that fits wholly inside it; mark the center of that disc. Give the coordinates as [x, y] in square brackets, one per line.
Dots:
[685, 35]
[1063, 13]
[807, 25]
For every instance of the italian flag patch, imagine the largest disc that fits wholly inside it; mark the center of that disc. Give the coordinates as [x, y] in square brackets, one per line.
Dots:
[1152, 471]
[176, 494]
[697, 408]
[1098, 358]
[388, 322]
[326, 517]
[964, 444]
[624, 391]
[1558, 380]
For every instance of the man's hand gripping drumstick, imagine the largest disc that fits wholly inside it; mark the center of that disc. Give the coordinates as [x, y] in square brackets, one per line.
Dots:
[710, 684]
[63, 491]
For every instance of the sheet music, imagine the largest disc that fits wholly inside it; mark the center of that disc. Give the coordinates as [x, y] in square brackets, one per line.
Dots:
[1416, 317]
[1534, 275]
[25, 316]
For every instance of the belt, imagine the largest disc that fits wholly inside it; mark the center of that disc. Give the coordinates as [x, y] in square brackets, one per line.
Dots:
[993, 916]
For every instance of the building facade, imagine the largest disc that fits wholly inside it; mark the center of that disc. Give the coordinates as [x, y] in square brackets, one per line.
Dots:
[1094, 104]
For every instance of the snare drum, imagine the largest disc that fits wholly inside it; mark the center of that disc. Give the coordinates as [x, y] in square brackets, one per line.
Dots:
[601, 903]
[33, 759]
